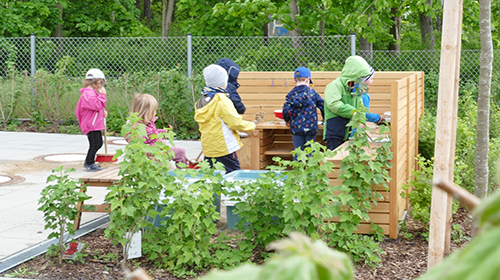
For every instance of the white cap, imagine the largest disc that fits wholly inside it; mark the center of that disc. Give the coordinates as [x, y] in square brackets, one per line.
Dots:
[94, 73]
[215, 76]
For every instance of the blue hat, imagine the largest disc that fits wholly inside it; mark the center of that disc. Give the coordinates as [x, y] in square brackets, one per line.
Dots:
[302, 72]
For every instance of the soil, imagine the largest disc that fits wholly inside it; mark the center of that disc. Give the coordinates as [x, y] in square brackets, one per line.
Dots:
[402, 258]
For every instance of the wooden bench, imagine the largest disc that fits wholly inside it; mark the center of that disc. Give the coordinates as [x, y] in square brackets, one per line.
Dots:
[401, 93]
[103, 178]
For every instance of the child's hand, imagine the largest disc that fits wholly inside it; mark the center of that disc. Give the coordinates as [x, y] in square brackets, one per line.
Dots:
[102, 90]
[105, 113]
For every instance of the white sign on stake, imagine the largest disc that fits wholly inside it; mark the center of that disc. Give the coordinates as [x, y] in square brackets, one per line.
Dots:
[135, 248]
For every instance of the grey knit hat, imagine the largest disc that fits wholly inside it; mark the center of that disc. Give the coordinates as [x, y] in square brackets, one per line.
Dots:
[215, 76]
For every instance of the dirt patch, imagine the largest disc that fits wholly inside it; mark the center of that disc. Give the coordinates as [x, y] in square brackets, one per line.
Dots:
[402, 258]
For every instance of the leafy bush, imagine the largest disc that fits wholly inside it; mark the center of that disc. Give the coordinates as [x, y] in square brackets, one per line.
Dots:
[58, 203]
[55, 98]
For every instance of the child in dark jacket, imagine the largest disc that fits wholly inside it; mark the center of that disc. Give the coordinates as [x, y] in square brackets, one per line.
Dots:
[233, 70]
[300, 109]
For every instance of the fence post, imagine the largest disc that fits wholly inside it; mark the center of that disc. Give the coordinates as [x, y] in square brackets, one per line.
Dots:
[189, 54]
[33, 69]
[353, 43]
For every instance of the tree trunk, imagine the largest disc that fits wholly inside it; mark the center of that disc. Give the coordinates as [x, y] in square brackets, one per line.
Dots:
[395, 31]
[483, 102]
[266, 33]
[427, 29]
[59, 29]
[166, 17]
[296, 32]
[147, 11]
[439, 20]
[138, 5]
[164, 25]
[365, 48]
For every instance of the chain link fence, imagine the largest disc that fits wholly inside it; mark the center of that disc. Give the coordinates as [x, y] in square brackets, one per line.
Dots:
[116, 56]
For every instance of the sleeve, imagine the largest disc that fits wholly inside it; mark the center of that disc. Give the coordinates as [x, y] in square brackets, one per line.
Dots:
[231, 117]
[320, 103]
[93, 101]
[371, 117]
[236, 99]
[333, 98]
[287, 110]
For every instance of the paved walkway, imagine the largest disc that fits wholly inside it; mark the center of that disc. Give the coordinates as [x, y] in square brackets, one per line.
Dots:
[26, 160]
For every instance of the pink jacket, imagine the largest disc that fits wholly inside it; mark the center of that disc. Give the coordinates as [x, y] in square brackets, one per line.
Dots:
[89, 110]
[151, 129]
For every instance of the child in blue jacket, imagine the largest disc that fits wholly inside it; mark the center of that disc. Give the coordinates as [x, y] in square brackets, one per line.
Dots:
[300, 109]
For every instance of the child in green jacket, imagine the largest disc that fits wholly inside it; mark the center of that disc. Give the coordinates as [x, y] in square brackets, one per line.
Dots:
[342, 97]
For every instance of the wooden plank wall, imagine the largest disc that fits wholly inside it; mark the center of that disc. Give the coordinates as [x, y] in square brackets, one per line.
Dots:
[266, 91]
[401, 93]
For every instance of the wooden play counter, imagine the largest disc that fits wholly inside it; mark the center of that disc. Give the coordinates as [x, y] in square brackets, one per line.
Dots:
[401, 93]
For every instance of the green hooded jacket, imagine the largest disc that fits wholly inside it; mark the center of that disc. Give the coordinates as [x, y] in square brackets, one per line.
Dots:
[338, 99]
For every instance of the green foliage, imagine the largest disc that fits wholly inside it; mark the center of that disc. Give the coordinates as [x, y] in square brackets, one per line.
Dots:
[79, 18]
[297, 258]
[175, 208]
[23, 271]
[176, 95]
[362, 173]
[176, 215]
[144, 178]
[465, 150]
[51, 93]
[21, 18]
[279, 202]
[12, 83]
[419, 189]
[58, 203]
[56, 97]
[479, 259]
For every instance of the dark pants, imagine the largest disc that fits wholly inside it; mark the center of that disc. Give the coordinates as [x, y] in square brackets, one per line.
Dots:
[333, 143]
[231, 163]
[299, 141]
[95, 143]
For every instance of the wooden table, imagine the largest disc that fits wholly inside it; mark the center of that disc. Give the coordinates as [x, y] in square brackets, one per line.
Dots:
[269, 139]
[274, 138]
[103, 178]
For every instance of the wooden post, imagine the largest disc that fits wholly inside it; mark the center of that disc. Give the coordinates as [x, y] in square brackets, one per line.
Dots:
[444, 152]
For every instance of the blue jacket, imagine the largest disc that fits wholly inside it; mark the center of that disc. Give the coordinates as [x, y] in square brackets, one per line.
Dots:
[300, 109]
[233, 70]
[371, 117]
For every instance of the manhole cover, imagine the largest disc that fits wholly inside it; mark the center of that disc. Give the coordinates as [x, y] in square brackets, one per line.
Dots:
[121, 142]
[10, 179]
[60, 158]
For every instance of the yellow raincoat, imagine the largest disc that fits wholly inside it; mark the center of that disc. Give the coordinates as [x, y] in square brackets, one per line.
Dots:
[219, 123]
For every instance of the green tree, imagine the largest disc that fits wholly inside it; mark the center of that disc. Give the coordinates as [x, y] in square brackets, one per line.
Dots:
[22, 18]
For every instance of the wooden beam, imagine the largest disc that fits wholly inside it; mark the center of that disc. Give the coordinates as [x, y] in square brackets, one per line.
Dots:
[445, 128]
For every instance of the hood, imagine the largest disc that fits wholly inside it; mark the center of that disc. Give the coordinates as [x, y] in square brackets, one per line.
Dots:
[233, 70]
[354, 67]
[298, 97]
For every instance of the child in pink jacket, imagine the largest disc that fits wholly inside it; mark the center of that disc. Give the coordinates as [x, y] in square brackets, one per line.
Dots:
[90, 112]
[146, 105]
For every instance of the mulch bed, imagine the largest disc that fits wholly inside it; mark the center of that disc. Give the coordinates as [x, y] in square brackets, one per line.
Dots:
[402, 258]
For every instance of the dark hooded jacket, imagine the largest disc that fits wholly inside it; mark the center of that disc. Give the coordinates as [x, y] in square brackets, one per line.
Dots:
[233, 70]
[300, 109]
